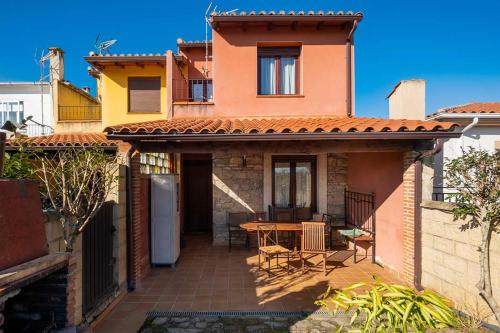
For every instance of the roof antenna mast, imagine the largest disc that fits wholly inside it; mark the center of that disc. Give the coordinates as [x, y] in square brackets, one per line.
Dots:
[207, 22]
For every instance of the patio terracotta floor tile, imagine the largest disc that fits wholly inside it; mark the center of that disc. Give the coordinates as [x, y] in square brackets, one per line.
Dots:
[211, 278]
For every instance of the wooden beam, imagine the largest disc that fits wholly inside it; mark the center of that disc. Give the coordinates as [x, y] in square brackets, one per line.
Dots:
[119, 65]
[295, 25]
[270, 26]
[290, 147]
[160, 64]
[244, 26]
[319, 25]
[139, 64]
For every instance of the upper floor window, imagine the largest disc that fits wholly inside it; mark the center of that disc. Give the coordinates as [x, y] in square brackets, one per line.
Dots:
[200, 90]
[278, 70]
[144, 94]
[11, 110]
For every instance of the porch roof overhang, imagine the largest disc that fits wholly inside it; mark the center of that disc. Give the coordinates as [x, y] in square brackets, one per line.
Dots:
[281, 129]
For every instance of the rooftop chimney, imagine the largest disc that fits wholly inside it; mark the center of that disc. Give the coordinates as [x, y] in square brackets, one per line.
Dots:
[407, 100]
[56, 64]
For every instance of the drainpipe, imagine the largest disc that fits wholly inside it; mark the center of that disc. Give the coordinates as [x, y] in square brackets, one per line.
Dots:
[475, 120]
[438, 146]
[349, 67]
[129, 225]
[2, 148]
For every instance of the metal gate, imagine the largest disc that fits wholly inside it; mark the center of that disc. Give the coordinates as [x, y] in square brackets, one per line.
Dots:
[98, 261]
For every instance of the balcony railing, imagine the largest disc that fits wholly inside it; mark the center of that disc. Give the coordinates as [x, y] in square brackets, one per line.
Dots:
[37, 130]
[79, 112]
[192, 90]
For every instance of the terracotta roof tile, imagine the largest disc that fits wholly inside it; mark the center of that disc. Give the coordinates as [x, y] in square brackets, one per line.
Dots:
[284, 13]
[278, 125]
[493, 107]
[77, 139]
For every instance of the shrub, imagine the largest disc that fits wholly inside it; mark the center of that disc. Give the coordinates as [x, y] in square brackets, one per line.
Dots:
[391, 307]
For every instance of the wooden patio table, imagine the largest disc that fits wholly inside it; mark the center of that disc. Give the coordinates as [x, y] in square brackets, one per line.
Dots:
[280, 226]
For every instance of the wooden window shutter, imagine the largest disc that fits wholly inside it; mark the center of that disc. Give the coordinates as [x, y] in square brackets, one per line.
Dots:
[144, 94]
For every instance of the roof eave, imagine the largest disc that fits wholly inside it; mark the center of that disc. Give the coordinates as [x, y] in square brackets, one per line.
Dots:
[465, 115]
[111, 60]
[61, 147]
[285, 136]
[285, 18]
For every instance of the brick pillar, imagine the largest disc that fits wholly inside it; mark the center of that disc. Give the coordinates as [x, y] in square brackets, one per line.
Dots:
[408, 273]
[140, 230]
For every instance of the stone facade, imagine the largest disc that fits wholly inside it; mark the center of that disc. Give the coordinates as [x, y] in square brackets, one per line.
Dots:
[336, 183]
[238, 186]
[450, 257]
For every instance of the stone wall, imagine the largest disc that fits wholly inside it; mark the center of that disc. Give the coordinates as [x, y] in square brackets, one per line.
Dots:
[237, 187]
[450, 259]
[336, 183]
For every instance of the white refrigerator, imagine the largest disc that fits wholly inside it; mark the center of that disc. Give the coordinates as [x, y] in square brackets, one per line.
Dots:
[165, 221]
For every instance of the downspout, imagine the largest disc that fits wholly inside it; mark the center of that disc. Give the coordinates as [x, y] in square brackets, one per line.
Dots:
[129, 225]
[349, 68]
[438, 146]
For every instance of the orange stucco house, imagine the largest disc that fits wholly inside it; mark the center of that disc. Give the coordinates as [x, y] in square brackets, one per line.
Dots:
[263, 118]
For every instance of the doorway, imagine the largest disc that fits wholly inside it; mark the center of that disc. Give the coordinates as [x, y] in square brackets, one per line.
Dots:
[196, 173]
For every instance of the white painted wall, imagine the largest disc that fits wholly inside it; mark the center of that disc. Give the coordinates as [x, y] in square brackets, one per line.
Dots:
[31, 94]
[479, 137]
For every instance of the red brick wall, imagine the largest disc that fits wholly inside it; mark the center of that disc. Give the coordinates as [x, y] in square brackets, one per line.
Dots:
[409, 218]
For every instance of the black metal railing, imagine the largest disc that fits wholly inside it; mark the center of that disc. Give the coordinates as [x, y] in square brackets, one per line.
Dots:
[79, 112]
[360, 210]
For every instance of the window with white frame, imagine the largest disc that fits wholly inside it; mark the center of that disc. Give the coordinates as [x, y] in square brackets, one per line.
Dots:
[11, 110]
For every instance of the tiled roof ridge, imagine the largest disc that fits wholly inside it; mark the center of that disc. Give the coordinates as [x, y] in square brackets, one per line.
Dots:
[286, 13]
[110, 55]
[471, 107]
[238, 125]
[67, 139]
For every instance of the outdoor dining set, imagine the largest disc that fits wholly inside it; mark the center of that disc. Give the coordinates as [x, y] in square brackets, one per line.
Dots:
[299, 239]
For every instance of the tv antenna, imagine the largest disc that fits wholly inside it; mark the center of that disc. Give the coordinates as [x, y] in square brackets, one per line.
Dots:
[102, 47]
[207, 23]
[41, 64]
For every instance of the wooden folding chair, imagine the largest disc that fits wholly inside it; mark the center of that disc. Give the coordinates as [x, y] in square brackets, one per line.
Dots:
[267, 236]
[313, 242]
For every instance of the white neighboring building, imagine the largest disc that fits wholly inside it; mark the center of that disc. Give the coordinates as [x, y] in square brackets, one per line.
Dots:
[480, 126]
[18, 100]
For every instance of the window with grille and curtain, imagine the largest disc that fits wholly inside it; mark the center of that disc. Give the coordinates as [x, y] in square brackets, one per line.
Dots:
[11, 110]
[278, 70]
[144, 94]
[294, 182]
[200, 90]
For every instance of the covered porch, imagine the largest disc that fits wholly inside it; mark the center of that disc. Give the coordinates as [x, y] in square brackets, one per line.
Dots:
[305, 164]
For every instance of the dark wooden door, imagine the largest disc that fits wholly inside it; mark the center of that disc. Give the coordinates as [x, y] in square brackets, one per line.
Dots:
[197, 194]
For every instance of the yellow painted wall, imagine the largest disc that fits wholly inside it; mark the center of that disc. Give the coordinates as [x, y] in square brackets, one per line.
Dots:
[113, 89]
[68, 96]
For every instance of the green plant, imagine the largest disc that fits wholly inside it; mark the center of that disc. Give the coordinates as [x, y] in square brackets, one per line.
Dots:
[19, 164]
[476, 177]
[391, 307]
